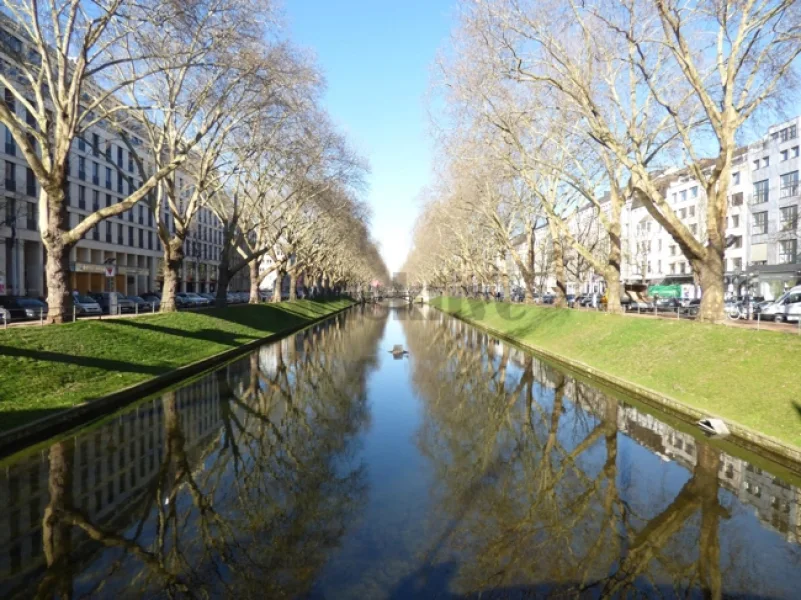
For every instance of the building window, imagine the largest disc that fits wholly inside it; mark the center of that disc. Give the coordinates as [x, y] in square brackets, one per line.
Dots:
[120, 159]
[787, 251]
[30, 182]
[694, 192]
[760, 225]
[735, 178]
[765, 161]
[142, 238]
[95, 232]
[149, 240]
[692, 211]
[95, 145]
[694, 229]
[735, 221]
[789, 218]
[673, 250]
[785, 155]
[108, 199]
[11, 144]
[672, 268]
[11, 210]
[788, 133]
[737, 263]
[737, 242]
[95, 173]
[761, 194]
[756, 164]
[131, 236]
[683, 213]
[795, 151]
[737, 199]
[789, 185]
[109, 227]
[81, 168]
[81, 197]
[141, 214]
[120, 181]
[119, 234]
[108, 178]
[683, 195]
[95, 200]
[682, 267]
[30, 216]
[81, 144]
[131, 215]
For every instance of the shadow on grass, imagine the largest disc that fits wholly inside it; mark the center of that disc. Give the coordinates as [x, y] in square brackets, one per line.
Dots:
[106, 364]
[16, 418]
[797, 407]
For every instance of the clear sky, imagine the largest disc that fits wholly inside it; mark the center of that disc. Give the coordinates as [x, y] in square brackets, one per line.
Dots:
[376, 56]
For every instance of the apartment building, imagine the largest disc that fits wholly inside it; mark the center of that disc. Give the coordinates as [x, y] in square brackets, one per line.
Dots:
[101, 173]
[774, 263]
[762, 231]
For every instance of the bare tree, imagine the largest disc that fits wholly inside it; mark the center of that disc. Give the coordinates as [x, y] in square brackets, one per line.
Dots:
[61, 83]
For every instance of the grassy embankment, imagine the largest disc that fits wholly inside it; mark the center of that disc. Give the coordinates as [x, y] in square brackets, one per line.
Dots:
[44, 369]
[746, 376]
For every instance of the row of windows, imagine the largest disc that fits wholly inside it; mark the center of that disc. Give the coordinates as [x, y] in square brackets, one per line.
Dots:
[787, 189]
[764, 162]
[788, 220]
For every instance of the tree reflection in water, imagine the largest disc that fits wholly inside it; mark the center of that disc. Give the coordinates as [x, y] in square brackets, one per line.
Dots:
[536, 495]
[248, 498]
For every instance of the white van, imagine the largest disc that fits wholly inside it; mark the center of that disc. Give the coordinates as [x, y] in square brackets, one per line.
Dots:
[788, 307]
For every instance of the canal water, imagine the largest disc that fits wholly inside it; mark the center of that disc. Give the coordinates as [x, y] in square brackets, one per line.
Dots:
[324, 466]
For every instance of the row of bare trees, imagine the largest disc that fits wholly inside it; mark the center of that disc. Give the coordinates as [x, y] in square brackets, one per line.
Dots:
[216, 109]
[557, 107]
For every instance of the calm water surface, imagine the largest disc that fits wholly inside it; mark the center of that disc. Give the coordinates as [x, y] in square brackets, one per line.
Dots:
[322, 466]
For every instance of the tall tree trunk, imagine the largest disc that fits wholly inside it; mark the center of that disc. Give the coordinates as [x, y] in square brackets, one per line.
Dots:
[710, 274]
[173, 259]
[279, 279]
[293, 282]
[223, 276]
[558, 265]
[253, 265]
[223, 279]
[57, 267]
[612, 274]
[505, 283]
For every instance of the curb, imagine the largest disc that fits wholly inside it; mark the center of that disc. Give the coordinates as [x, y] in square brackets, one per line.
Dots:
[749, 439]
[42, 429]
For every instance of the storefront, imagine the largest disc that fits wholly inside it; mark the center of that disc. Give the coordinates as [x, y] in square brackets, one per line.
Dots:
[89, 277]
[771, 281]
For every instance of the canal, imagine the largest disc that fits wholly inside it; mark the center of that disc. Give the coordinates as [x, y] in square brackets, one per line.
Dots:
[325, 466]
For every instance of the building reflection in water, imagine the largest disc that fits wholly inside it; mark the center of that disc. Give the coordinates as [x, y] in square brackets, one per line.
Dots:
[237, 483]
[549, 485]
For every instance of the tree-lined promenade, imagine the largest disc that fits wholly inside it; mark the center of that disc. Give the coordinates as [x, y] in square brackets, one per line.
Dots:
[214, 109]
[559, 113]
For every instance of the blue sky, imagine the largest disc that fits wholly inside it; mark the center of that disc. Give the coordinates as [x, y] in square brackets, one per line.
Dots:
[376, 56]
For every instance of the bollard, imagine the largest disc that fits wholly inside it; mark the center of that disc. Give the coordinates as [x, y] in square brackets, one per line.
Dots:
[74, 314]
[41, 318]
[153, 308]
[5, 320]
[759, 320]
[678, 316]
[136, 309]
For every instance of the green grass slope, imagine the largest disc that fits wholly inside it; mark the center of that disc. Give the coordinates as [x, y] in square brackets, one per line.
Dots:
[43, 369]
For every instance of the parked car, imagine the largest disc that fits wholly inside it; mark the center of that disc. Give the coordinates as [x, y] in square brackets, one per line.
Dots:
[104, 300]
[141, 304]
[789, 306]
[86, 306]
[189, 300]
[548, 299]
[692, 307]
[668, 304]
[153, 299]
[210, 297]
[19, 308]
[571, 300]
